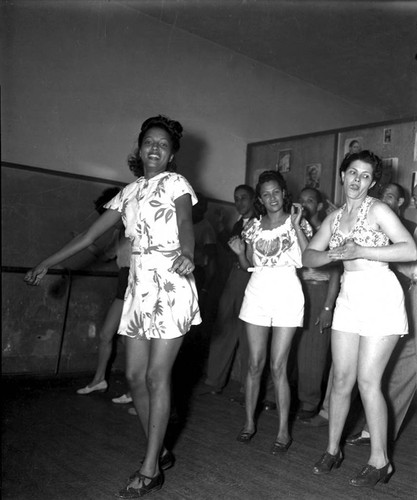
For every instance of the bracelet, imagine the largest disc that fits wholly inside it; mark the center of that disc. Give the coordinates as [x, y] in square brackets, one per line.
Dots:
[327, 308]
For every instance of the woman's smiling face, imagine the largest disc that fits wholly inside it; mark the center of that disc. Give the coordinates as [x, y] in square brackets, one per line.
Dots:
[156, 151]
[271, 196]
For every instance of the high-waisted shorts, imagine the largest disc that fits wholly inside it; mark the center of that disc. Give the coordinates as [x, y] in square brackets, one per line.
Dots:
[273, 297]
[371, 304]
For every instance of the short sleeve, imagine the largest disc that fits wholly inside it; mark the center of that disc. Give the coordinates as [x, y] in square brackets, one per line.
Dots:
[119, 200]
[181, 186]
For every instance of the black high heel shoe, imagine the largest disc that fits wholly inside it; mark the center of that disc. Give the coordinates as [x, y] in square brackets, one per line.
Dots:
[369, 476]
[327, 462]
[154, 484]
[245, 437]
[166, 461]
[277, 447]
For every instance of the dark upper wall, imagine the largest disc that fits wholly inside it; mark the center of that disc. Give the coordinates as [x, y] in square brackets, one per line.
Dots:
[79, 78]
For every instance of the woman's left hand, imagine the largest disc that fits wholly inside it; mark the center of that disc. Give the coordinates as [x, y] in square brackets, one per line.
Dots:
[324, 320]
[296, 214]
[183, 265]
[348, 251]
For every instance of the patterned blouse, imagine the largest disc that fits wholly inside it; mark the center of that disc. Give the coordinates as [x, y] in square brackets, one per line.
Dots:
[361, 233]
[275, 247]
[148, 212]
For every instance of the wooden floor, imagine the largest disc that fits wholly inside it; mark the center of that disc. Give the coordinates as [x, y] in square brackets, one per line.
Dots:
[62, 446]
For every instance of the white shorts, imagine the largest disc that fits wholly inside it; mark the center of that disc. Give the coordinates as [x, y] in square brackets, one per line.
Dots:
[273, 297]
[371, 304]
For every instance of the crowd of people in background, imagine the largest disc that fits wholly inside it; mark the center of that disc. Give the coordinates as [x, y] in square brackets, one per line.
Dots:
[309, 299]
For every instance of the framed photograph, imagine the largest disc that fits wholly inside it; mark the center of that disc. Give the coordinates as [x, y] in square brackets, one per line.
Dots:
[284, 161]
[352, 145]
[313, 175]
[387, 135]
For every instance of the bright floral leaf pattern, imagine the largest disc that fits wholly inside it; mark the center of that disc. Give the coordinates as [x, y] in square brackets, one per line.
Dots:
[158, 303]
[275, 247]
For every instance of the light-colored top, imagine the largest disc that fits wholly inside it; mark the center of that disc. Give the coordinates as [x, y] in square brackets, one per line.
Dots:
[148, 212]
[361, 233]
[158, 303]
[276, 247]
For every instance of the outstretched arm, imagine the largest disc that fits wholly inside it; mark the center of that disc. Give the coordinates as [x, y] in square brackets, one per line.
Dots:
[80, 242]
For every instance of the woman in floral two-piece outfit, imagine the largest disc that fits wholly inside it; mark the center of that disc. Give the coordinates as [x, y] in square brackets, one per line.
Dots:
[161, 301]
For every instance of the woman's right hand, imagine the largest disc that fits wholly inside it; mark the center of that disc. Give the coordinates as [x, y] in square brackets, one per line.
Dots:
[34, 276]
[237, 245]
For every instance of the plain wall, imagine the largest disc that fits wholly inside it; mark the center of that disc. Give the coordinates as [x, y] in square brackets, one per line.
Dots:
[79, 78]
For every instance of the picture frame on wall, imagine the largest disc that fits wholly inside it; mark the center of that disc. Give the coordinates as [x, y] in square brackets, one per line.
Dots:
[284, 161]
[387, 135]
[329, 149]
[312, 175]
[352, 145]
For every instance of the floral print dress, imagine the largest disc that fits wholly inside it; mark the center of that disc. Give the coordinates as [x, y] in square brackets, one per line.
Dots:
[158, 303]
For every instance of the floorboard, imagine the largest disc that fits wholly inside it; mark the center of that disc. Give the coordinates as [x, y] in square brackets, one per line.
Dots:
[62, 446]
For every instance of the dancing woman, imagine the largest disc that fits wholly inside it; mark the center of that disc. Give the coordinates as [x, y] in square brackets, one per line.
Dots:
[370, 316]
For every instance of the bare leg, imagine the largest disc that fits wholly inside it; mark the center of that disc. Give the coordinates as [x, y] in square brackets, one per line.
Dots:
[107, 332]
[345, 347]
[324, 412]
[257, 341]
[280, 348]
[374, 354]
[149, 366]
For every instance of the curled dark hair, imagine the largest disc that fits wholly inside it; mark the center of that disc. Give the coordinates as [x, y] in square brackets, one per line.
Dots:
[269, 176]
[173, 128]
[367, 157]
[135, 164]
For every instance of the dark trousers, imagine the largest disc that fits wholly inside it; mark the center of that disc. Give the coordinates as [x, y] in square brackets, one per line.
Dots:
[228, 331]
[312, 348]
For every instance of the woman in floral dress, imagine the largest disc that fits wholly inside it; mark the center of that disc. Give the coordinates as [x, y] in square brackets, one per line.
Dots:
[273, 297]
[161, 301]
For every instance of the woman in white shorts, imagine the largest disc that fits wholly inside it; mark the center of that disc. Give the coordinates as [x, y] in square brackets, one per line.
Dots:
[273, 297]
[369, 316]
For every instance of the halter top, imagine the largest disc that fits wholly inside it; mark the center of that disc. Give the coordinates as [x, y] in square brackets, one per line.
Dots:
[361, 233]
